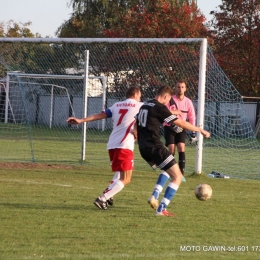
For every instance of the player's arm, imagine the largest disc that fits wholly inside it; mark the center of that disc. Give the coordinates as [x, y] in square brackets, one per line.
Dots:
[192, 119]
[134, 131]
[186, 125]
[191, 113]
[175, 112]
[95, 117]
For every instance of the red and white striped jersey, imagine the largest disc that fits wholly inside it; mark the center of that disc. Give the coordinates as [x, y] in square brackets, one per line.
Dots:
[123, 116]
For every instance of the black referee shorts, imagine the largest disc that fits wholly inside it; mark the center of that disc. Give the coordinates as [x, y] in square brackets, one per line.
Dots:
[158, 157]
[171, 137]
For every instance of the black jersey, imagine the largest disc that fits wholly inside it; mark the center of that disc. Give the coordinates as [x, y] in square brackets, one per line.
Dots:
[149, 119]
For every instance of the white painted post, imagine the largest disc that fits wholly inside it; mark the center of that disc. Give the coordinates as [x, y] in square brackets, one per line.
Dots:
[201, 104]
[85, 105]
[104, 84]
[7, 97]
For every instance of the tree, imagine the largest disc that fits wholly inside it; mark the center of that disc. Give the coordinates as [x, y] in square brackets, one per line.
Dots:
[28, 57]
[237, 43]
[14, 29]
[89, 17]
[160, 19]
[135, 18]
[93, 18]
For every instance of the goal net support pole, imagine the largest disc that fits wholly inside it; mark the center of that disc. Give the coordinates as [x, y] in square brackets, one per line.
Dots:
[6, 98]
[201, 103]
[104, 97]
[85, 105]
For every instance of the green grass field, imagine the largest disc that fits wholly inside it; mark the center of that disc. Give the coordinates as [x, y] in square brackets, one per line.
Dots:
[235, 157]
[47, 212]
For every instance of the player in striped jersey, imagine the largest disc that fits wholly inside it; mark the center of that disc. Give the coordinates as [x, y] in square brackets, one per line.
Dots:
[120, 144]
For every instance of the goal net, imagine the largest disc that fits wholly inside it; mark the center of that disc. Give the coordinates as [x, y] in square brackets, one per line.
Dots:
[37, 107]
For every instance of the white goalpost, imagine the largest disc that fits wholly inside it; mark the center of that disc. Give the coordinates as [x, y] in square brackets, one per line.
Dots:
[201, 103]
[85, 102]
[119, 63]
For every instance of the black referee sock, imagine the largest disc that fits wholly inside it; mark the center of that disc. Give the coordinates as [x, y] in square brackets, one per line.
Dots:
[182, 162]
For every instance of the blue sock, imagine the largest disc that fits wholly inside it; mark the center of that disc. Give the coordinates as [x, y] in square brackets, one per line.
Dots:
[162, 179]
[168, 195]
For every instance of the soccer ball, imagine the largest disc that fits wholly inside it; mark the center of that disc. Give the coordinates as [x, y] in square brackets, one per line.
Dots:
[203, 192]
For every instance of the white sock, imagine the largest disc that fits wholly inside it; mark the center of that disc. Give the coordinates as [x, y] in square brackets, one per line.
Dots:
[116, 176]
[113, 190]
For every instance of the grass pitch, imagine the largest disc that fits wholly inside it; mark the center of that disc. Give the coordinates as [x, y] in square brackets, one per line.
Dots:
[47, 212]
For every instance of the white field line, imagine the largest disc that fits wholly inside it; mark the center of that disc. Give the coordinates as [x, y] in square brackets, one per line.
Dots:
[80, 187]
[44, 183]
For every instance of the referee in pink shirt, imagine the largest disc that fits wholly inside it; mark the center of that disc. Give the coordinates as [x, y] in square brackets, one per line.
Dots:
[183, 107]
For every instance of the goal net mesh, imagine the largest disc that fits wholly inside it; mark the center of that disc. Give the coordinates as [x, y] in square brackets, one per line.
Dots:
[33, 124]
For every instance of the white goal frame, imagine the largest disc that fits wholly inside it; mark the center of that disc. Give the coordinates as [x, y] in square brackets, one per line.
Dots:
[201, 76]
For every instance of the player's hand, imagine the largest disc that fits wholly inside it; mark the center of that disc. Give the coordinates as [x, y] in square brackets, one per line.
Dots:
[205, 133]
[177, 129]
[175, 112]
[73, 120]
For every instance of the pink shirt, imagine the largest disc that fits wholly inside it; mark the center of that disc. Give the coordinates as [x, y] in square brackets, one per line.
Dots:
[186, 107]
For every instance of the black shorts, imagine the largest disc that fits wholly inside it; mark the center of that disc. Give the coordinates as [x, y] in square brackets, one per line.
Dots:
[158, 157]
[171, 137]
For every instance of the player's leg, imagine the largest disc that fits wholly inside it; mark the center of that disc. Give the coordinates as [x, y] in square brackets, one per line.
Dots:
[161, 181]
[171, 148]
[165, 160]
[176, 179]
[169, 136]
[182, 159]
[180, 140]
[116, 177]
[161, 157]
[148, 154]
[121, 160]
[118, 185]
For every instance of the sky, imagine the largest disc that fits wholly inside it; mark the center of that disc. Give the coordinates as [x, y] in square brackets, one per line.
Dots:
[47, 15]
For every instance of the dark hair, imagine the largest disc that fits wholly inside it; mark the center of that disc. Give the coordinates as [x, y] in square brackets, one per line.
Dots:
[164, 90]
[132, 91]
[182, 81]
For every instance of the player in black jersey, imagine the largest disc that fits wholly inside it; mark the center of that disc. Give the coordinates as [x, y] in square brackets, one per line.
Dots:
[151, 116]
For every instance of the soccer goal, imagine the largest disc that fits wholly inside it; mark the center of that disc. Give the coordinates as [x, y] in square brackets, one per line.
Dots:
[48, 102]
[147, 63]
[46, 105]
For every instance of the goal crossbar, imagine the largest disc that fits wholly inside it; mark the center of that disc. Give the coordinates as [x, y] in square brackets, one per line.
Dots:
[100, 40]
